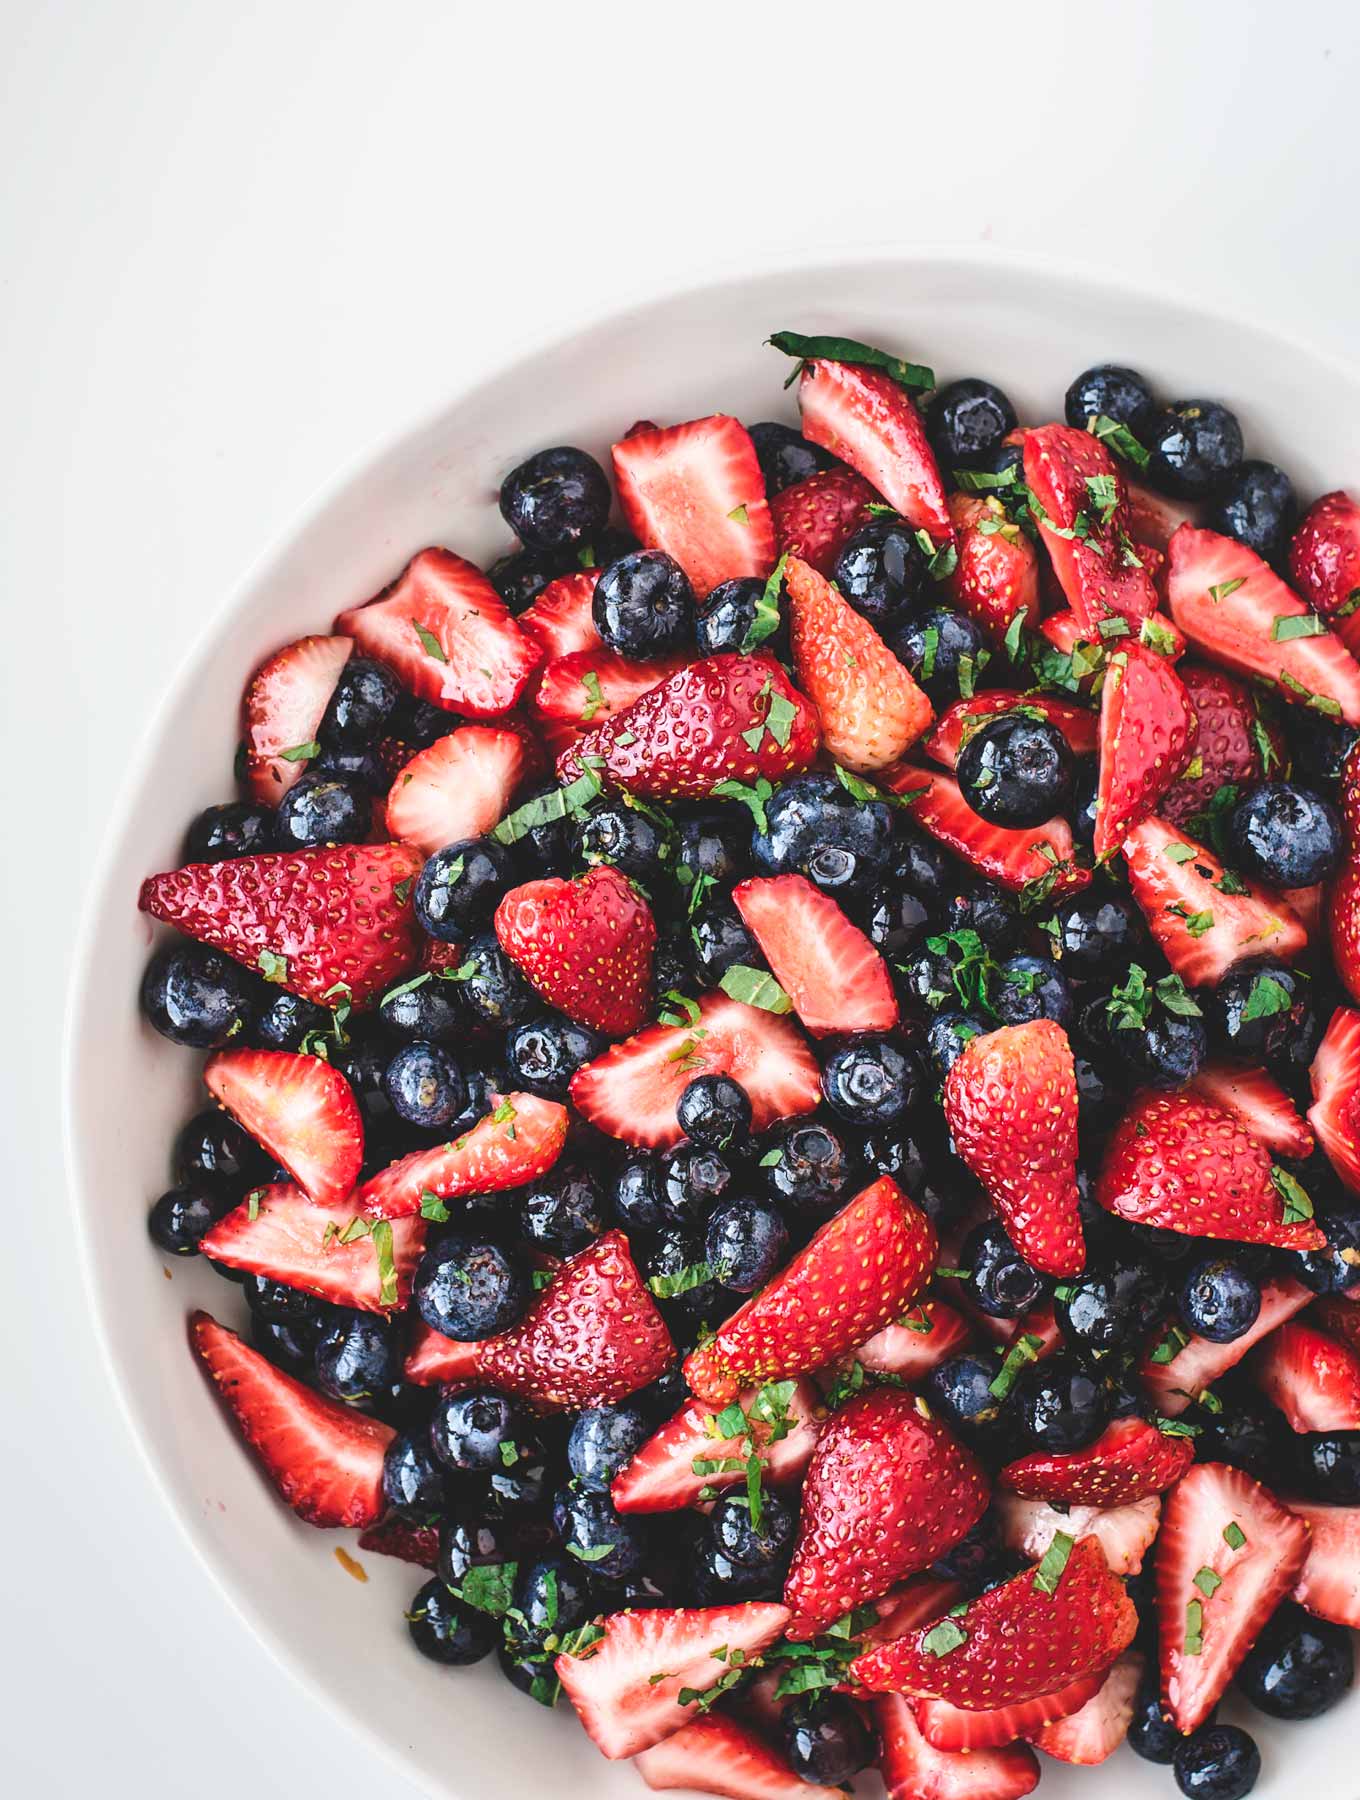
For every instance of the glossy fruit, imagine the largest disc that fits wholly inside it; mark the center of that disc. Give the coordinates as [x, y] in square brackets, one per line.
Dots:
[585, 945]
[1298, 1667]
[696, 491]
[1324, 562]
[817, 517]
[560, 621]
[1329, 1585]
[913, 1770]
[1018, 860]
[954, 727]
[947, 1727]
[1086, 528]
[300, 1109]
[1015, 770]
[1261, 1104]
[1335, 1080]
[1124, 1533]
[997, 575]
[868, 420]
[1097, 1729]
[1128, 1461]
[1148, 730]
[781, 1426]
[835, 978]
[1235, 744]
[280, 1233]
[1176, 1367]
[459, 788]
[285, 702]
[716, 1754]
[1312, 1377]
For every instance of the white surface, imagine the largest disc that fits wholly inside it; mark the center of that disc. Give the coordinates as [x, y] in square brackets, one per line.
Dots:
[238, 244]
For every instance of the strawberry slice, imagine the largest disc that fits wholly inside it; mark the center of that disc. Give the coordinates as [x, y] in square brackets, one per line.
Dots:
[585, 945]
[1097, 1729]
[1153, 518]
[955, 727]
[589, 686]
[1329, 1585]
[1147, 733]
[280, 1233]
[517, 1142]
[1010, 1101]
[325, 924]
[1227, 1555]
[903, 1608]
[1071, 1614]
[1083, 648]
[1344, 924]
[870, 707]
[1235, 745]
[1125, 1533]
[459, 788]
[418, 1544]
[1312, 1377]
[631, 1091]
[301, 1109]
[1176, 1367]
[834, 976]
[913, 1770]
[889, 1490]
[445, 631]
[1039, 861]
[715, 1754]
[561, 620]
[870, 421]
[696, 492]
[816, 518]
[626, 1686]
[1205, 921]
[1260, 1103]
[324, 1459]
[1324, 561]
[1086, 525]
[1234, 607]
[1129, 1460]
[928, 1334]
[997, 576]
[947, 1727]
[1335, 1081]
[861, 1269]
[285, 702]
[782, 1428]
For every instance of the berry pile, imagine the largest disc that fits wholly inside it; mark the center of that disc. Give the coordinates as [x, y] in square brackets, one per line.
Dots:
[785, 1087]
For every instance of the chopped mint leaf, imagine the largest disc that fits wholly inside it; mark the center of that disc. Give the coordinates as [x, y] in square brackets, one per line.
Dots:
[1050, 1570]
[753, 798]
[1221, 589]
[381, 1235]
[590, 681]
[1208, 1581]
[1233, 1535]
[301, 752]
[429, 643]
[738, 515]
[592, 1554]
[684, 1281]
[755, 987]
[930, 638]
[914, 376]
[433, 1208]
[942, 1638]
[767, 618]
[1267, 997]
[253, 1199]
[772, 1159]
[1298, 1207]
[488, 1587]
[1022, 1352]
[560, 803]
[1297, 625]
[1194, 1628]
[1118, 438]
[1171, 1345]
[1170, 990]
[1015, 635]
[1318, 702]
[1103, 492]
[1179, 853]
[273, 968]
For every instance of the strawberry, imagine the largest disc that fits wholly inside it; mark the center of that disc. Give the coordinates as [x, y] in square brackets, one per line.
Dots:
[1097, 1729]
[561, 621]
[661, 1475]
[324, 1459]
[1129, 1460]
[1085, 524]
[870, 421]
[928, 1333]
[1083, 648]
[861, 1269]
[955, 727]
[1311, 904]
[1259, 1102]
[593, 1336]
[913, 1770]
[590, 686]
[585, 945]
[816, 518]
[285, 702]
[1324, 561]
[1147, 732]
[1176, 1367]
[301, 1109]
[888, 1490]
[1234, 745]
[516, 1143]
[1205, 921]
[418, 1544]
[459, 788]
[1235, 609]
[715, 1754]
[834, 976]
[1038, 860]
[1183, 1164]
[1343, 921]
[432, 1359]
[947, 1727]
[696, 492]
[1228, 1553]
[280, 1233]
[1329, 1584]
[870, 707]
[1335, 1082]
[1312, 1377]
[903, 1608]
[631, 1091]
[1153, 518]
[1071, 1614]
[1010, 1101]
[445, 631]
[325, 924]
[997, 575]
[1339, 1316]
[1125, 1533]
[724, 718]
[626, 1686]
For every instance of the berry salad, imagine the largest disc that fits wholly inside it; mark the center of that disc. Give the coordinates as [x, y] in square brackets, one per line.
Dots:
[783, 1088]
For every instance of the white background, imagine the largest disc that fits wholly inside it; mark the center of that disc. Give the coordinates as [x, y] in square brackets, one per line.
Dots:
[240, 241]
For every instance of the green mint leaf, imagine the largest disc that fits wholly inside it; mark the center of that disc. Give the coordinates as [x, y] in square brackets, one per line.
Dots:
[590, 681]
[1208, 1581]
[488, 1587]
[755, 987]
[1267, 997]
[560, 803]
[1298, 1207]
[1233, 1535]
[381, 1235]
[1194, 1628]
[273, 968]
[753, 798]
[913, 376]
[1171, 1345]
[1170, 990]
[1021, 1354]
[1050, 1570]
[1297, 625]
[767, 618]
[942, 1638]
[684, 1281]
[429, 643]
[738, 515]
[1318, 702]
[1221, 589]
[301, 752]
[433, 1208]
[592, 1554]
[1118, 438]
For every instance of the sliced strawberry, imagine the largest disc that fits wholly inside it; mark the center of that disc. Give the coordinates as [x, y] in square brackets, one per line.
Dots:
[927, 1334]
[1324, 561]
[834, 976]
[1153, 518]
[1312, 1377]
[1227, 1555]
[1311, 904]
[325, 924]
[561, 621]
[324, 1459]
[955, 727]
[285, 702]
[913, 1770]
[948, 1727]
[1335, 1081]
[1147, 733]
[905, 1607]
[1129, 1460]
[459, 788]
[1260, 1103]
[631, 1091]
[1329, 1585]
[585, 945]
[626, 1686]
[1125, 1533]
[871, 422]
[280, 1233]
[696, 492]
[816, 518]
[1014, 858]
[301, 1109]
[1203, 923]
[1235, 745]
[1097, 1729]
[1085, 524]
[1177, 1367]
[1344, 924]
[661, 1475]
[715, 1754]
[516, 1143]
[861, 1269]
[432, 1359]
[418, 1544]
[1082, 646]
[590, 686]
[997, 575]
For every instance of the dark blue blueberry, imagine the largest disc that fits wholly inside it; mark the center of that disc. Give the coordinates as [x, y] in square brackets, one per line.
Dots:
[635, 842]
[637, 1196]
[1108, 1307]
[724, 617]
[966, 422]
[1218, 1762]
[746, 1241]
[937, 1182]
[469, 1288]
[785, 455]
[561, 1212]
[818, 829]
[425, 1086]
[721, 942]
[236, 828]
[360, 706]
[1194, 446]
[693, 1180]
[363, 769]
[1219, 1300]
[364, 1067]
[603, 1440]
[871, 1080]
[949, 1035]
[181, 1217]
[1152, 1735]
[424, 1008]
[643, 605]
[1335, 1270]
[447, 1631]
[287, 1020]
[608, 1544]
[921, 866]
[941, 648]
[1242, 1431]
[925, 981]
[1110, 389]
[544, 1053]
[471, 1541]
[1100, 1093]
[734, 1532]
[1298, 1667]
[289, 1346]
[357, 1356]
[991, 912]
[413, 1482]
[1016, 771]
[493, 988]
[672, 969]
[718, 1581]
[524, 1481]
[1328, 1464]
[714, 1110]
[1258, 1009]
[1256, 505]
[883, 572]
[419, 723]
[675, 1260]
[662, 1399]
[1098, 931]
[1320, 746]
[896, 921]
[1167, 1052]
[826, 1740]
[1063, 1405]
[519, 578]
[196, 996]
[467, 1430]
[1031, 987]
[1285, 835]
[960, 1390]
[714, 848]
[1085, 791]
[552, 1597]
[555, 499]
[1000, 1281]
[269, 1299]
[214, 1153]
[460, 885]
[806, 1167]
[320, 810]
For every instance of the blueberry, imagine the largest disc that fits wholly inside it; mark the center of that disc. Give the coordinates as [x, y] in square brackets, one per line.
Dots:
[1168, 1051]
[966, 422]
[196, 996]
[1328, 1464]
[1029, 988]
[693, 1180]
[460, 885]
[236, 828]
[1000, 1282]
[807, 1167]
[1195, 445]
[425, 1009]
[1110, 389]
[825, 1740]
[1152, 1735]
[609, 1544]
[1098, 931]
[1016, 771]
[671, 961]
[633, 841]
[870, 1080]
[519, 578]
[644, 605]
[357, 1356]
[1320, 746]
[1063, 1405]
[183, 1216]
[469, 1288]
[1085, 793]
[949, 1035]
[896, 922]
[636, 1196]
[467, 1430]
[1244, 1433]
[721, 942]
[725, 617]
[469, 1542]
[1100, 1096]
[270, 1299]
[447, 1631]
[785, 455]
[561, 1212]
[215, 1154]
[991, 912]
[745, 1243]
[960, 1390]
[883, 572]
[750, 1545]
[360, 705]
[675, 1259]
[1298, 1667]
[321, 810]
[714, 1110]
[604, 1440]
[544, 1053]
[1108, 1308]
[921, 866]
[555, 499]
[363, 769]
[424, 1085]
[938, 1183]
[925, 981]
[492, 987]
[552, 1597]
[364, 1066]
[1257, 505]
[818, 829]
[713, 849]
[1335, 1270]
[524, 1480]
[1259, 1010]
[1219, 1300]
[940, 647]
[1285, 835]
[1219, 1762]
[413, 1482]
[289, 1346]
[287, 1020]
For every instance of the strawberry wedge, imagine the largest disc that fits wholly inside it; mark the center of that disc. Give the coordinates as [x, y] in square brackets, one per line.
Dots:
[1129, 1460]
[1086, 526]
[1176, 1367]
[816, 518]
[459, 788]
[928, 1333]
[301, 1109]
[955, 727]
[285, 702]
[834, 976]
[1335, 1081]
[280, 1233]
[661, 1477]
[696, 492]
[1125, 1533]
[947, 1727]
[1329, 1583]
[1038, 862]
[1148, 729]
[561, 620]
[1097, 1729]
[1311, 1376]
[913, 1769]
[1255, 1098]
[997, 577]
[870, 421]
[715, 1754]
[518, 1142]
[589, 686]
[1324, 563]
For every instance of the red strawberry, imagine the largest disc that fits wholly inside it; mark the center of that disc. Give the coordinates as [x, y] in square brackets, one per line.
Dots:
[835, 978]
[816, 518]
[947, 1727]
[626, 1687]
[1072, 1620]
[1311, 904]
[1177, 1367]
[280, 1233]
[903, 1608]
[1234, 745]
[418, 1544]
[590, 686]
[1125, 1533]
[955, 727]
[1153, 518]
[432, 1359]
[447, 633]
[517, 1142]
[1335, 1081]
[889, 1490]
[1343, 921]
[1129, 1460]
[1097, 1729]
[1339, 1316]
[1324, 561]
[913, 1770]
[1312, 1377]
[1147, 732]
[631, 1091]
[1184, 1164]
[1258, 1100]
[661, 1475]
[324, 1459]
[1085, 524]
[1234, 607]
[861, 1269]
[715, 1754]
[301, 1109]
[560, 621]
[870, 421]
[285, 702]
[696, 492]
[998, 572]
[928, 1333]
[1073, 640]
[459, 788]
[724, 718]
[585, 945]
[1010, 1101]
[870, 707]
[1202, 922]
[1227, 1555]
[1329, 1585]
[1014, 858]
[316, 921]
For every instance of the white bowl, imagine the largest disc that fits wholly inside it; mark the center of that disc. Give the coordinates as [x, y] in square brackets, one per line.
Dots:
[466, 1733]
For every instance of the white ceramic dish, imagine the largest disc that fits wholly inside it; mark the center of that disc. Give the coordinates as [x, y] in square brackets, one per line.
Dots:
[465, 1735]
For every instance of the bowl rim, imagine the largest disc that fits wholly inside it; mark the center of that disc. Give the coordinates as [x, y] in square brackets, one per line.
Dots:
[940, 257]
